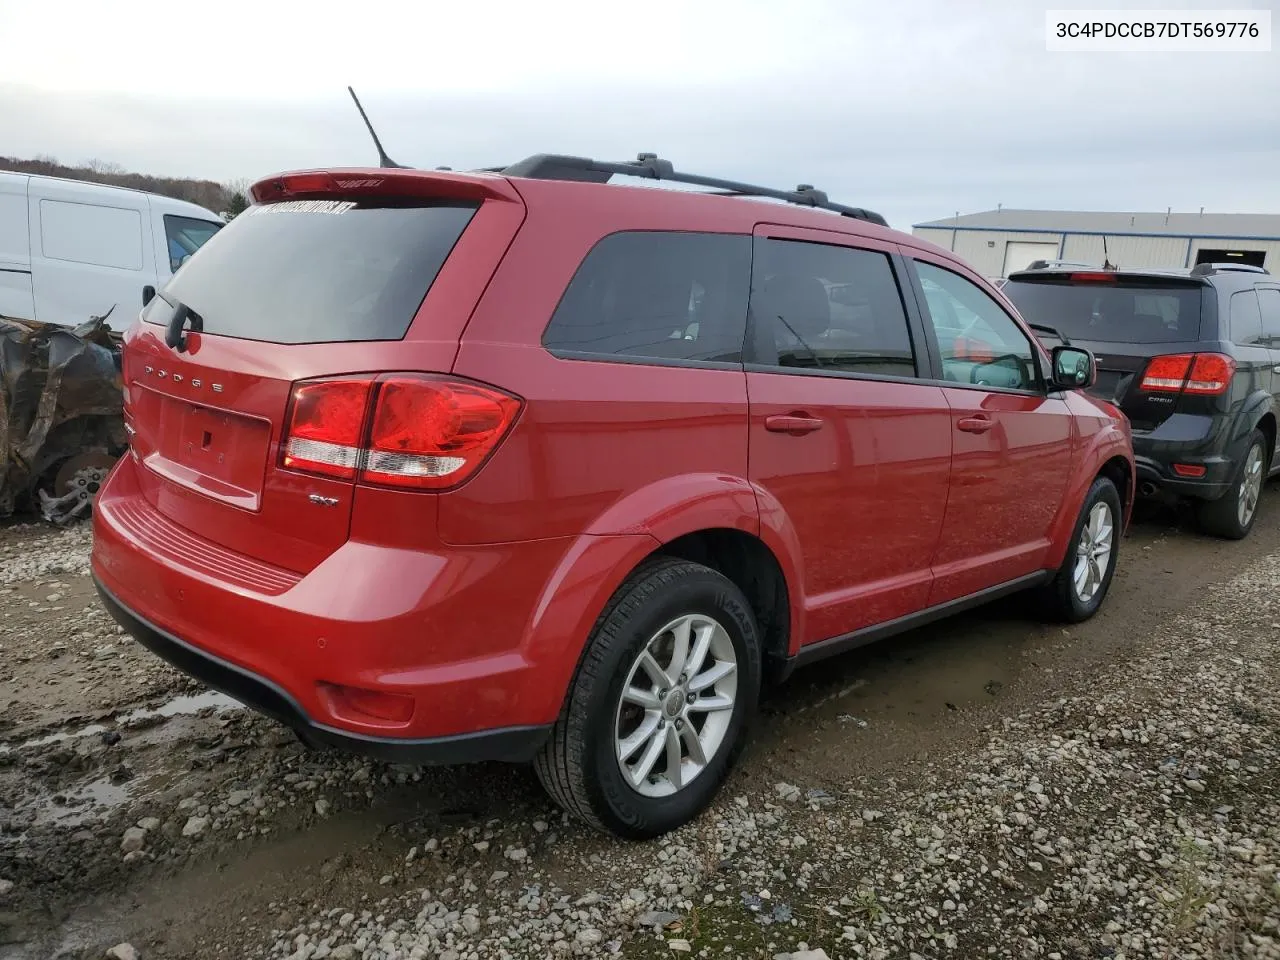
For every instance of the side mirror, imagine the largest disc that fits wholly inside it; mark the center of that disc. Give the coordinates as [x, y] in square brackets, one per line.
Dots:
[1073, 368]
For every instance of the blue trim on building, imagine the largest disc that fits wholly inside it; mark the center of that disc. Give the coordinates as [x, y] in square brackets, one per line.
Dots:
[1098, 233]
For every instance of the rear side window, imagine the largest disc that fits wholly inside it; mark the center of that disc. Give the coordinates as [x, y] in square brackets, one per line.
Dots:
[823, 307]
[186, 235]
[92, 234]
[317, 271]
[1246, 319]
[1269, 303]
[657, 295]
[1110, 312]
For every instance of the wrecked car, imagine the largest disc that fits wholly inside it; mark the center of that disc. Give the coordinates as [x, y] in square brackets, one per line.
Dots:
[61, 415]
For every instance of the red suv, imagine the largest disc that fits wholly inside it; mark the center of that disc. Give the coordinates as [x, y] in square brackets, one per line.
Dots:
[522, 465]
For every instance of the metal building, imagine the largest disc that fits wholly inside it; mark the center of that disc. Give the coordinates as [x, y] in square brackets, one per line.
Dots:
[998, 242]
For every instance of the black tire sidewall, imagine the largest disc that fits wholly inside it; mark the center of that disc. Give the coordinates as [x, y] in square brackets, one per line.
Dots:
[1102, 490]
[623, 810]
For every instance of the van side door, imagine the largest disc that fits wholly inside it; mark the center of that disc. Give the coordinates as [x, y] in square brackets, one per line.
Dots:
[90, 252]
[16, 299]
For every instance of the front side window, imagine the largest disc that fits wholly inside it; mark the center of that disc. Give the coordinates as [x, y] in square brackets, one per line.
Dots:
[186, 235]
[980, 344]
[822, 307]
[657, 295]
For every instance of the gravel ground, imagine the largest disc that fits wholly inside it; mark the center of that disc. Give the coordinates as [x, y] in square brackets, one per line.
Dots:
[988, 787]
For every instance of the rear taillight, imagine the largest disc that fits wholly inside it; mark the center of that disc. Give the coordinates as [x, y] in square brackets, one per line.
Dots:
[1211, 373]
[1166, 374]
[326, 426]
[1205, 374]
[402, 430]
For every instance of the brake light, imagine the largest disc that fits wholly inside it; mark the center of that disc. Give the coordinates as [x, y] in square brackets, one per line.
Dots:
[1166, 374]
[1205, 374]
[325, 427]
[431, 433]
[1211, 374]
[1093, 277]
[404, 430]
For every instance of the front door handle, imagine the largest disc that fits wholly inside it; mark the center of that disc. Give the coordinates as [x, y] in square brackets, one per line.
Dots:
[976, 424]
[795, 424]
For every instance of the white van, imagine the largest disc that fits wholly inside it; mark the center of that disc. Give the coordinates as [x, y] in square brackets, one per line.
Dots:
[70, 250]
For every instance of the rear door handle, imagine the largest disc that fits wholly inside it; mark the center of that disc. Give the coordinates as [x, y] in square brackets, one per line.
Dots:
[975, 424]
[795, 424]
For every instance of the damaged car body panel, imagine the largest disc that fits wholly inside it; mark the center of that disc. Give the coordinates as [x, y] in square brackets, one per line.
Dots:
[61, 414]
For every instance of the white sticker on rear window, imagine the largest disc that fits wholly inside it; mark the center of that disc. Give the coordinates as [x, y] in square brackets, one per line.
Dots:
[303, 206]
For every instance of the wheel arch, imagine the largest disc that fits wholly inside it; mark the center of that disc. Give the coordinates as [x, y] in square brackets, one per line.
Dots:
[1109, 453]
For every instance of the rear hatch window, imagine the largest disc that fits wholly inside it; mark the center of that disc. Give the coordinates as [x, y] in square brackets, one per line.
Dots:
[1119, 311]
[317, 271]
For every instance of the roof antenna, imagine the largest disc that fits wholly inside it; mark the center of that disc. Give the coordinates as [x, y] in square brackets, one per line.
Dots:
[1106, 258]
[383, 159]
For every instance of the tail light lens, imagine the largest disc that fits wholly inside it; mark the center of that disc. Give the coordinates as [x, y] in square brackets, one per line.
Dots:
[1205, 374]
[403, 430]
[1211, 373]
[432, 433]
[325, 427]
[1166, 374]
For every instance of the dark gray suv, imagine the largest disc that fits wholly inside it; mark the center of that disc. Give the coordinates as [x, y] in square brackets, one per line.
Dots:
[1192, 357]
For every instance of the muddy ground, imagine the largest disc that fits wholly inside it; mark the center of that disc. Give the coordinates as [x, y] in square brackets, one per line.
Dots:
[137, 808]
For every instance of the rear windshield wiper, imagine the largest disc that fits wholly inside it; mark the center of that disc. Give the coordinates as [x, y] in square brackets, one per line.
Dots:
[183, 315]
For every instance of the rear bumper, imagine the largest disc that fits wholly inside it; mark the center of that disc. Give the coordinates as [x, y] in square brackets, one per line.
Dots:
[1191, 441]
[515, 744]
[1156, 479]
[445, 627]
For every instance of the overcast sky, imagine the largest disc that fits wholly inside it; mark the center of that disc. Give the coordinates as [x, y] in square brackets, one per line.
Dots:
[915, 108]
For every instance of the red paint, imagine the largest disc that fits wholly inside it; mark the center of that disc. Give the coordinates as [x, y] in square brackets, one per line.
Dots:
[411, 612]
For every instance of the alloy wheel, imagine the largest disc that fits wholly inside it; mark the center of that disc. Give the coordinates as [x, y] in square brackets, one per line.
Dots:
[1093, 553]
[676, 705]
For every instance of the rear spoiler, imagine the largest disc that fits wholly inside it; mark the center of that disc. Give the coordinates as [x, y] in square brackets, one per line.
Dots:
[1052, 331]
[383, 182]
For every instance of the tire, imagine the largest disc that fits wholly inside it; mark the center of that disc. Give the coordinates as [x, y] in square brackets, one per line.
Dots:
[1232, 515]
[579, 766]
[1064, 597]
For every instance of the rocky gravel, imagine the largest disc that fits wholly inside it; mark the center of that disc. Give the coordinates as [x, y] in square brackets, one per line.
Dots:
[1108, 791]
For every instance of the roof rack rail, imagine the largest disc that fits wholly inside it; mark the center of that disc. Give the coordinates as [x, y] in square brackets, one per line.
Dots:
[546, 166]
[1208, 269]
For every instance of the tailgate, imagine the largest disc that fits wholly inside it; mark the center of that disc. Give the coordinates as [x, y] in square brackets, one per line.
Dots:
[289, 291]
[1124, 319]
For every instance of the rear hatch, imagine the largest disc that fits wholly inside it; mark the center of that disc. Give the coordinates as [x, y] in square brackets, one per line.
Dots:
[323, 278]
[1126, 320]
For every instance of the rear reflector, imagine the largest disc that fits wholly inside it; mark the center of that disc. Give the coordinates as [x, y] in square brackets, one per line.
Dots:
[396, 708]
[1189, 469]
[402, 430]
